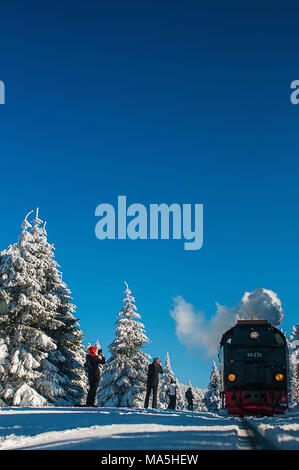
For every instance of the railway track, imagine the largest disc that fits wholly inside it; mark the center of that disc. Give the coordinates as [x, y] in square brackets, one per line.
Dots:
[251, 438]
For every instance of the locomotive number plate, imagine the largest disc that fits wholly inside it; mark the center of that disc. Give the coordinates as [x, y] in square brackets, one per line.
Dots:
[254, 354]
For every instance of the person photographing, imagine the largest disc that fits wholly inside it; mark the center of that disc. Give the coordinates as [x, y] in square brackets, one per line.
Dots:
[93, 362]
[154, 369]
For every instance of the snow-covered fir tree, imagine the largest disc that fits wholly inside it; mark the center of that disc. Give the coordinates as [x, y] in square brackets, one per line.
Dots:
[22, 327]
[199, 395]
[124, 377]
[164, 382]
[294, 364]
[40, 337]
[180, 396]
[211, 400]
[97, 346]
[69, 356]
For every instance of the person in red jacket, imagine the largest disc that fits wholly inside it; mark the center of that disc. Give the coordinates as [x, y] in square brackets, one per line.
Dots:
[93, 361]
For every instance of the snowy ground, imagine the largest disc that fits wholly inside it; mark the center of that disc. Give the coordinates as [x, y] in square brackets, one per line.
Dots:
[132, 429]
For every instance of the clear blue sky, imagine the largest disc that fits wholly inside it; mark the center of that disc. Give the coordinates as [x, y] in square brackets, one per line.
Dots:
[171, 101]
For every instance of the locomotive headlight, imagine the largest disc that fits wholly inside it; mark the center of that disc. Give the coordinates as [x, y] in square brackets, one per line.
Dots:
[279, 377]
[254, 335]
[231, 377]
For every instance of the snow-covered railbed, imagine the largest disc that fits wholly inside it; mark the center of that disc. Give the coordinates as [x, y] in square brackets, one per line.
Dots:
[132, 429]
[282, 431]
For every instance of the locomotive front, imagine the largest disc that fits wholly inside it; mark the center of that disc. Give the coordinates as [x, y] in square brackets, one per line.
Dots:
[253, 358]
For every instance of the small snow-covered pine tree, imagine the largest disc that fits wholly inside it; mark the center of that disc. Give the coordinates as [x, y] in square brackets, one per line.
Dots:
[212, 398]
[199, 396]
[164, 383]
[180, 396]
[124, 377]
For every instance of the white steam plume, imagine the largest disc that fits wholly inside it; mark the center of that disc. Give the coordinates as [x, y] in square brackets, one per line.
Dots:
[195, 332]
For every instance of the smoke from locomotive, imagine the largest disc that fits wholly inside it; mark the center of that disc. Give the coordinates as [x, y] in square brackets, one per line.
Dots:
[196, 332]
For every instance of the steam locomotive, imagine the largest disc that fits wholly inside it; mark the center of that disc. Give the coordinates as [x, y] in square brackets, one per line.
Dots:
[254, 372]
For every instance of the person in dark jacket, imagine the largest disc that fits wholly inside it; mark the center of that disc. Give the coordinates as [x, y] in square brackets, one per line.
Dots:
[154, 369]
[93, 361]
[189, 396]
